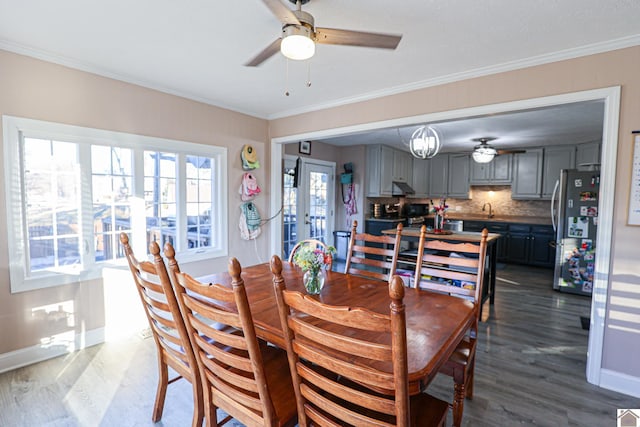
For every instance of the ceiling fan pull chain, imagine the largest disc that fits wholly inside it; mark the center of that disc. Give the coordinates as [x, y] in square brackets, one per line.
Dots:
[309, 73]
[286, 82]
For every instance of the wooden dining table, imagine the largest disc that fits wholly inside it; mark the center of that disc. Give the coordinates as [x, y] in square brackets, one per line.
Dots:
[435, 323]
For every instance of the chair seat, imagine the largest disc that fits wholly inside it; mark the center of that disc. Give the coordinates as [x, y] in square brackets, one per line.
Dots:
[276, 366]
[462, 354]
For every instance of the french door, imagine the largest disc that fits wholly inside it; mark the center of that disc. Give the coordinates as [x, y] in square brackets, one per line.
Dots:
[309, 204]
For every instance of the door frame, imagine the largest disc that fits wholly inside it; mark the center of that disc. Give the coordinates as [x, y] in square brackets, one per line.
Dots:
[611, 97]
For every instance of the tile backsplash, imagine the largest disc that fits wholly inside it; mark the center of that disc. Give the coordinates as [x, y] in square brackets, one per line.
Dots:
[498, 195]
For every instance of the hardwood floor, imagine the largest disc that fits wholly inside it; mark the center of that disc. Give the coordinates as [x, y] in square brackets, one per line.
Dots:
[530, 371]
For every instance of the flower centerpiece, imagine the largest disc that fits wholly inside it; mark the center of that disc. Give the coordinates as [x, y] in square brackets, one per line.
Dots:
[313, 260]
[439, 211]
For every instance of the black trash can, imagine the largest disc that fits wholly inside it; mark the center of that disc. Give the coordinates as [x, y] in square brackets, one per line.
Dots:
[341, 242]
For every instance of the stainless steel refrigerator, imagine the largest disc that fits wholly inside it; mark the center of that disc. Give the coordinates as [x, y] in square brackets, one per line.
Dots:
[574, 213]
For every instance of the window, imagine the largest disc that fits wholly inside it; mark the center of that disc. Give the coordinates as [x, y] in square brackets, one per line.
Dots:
[71, 191]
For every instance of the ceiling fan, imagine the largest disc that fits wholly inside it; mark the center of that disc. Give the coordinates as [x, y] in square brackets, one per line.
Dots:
[484, 153]
[299, 35]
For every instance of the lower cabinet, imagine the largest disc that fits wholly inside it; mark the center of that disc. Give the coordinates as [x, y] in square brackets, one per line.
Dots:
[531, 245]
[520, 243]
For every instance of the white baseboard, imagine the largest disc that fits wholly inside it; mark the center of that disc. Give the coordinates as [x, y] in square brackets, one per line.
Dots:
[38, 353]
[622, 383]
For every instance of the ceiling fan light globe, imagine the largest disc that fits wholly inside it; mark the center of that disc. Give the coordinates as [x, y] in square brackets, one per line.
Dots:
[483, 154]
[424, 143]
[296, 43]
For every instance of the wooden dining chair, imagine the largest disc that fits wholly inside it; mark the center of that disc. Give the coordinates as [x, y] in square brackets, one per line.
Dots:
[373, 256]
[247, 379]
[313, 243]
[167, 326]
[456, 269]
[342, 380]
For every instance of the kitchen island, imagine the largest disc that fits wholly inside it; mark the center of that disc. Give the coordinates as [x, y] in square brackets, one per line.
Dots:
[412, 235]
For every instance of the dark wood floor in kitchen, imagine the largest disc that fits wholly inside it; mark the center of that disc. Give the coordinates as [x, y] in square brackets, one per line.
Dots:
[530, 371]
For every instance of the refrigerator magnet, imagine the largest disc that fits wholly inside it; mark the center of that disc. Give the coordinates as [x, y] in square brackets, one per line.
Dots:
[577, 183]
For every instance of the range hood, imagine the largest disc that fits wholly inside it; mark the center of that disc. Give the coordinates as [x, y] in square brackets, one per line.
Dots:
[401, 189]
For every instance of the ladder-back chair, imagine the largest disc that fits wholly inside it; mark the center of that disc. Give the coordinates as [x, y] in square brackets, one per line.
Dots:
[168, 328]
[456, 269]
[373, 256]
[343, 380]
[248, 380]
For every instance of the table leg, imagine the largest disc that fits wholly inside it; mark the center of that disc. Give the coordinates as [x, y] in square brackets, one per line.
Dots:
[492, 269]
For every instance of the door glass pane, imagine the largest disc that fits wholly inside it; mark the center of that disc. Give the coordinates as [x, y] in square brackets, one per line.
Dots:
[318, 205]
[289, 201]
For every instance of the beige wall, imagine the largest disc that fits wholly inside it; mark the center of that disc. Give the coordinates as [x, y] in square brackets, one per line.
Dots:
[615, 68]
[38, 90]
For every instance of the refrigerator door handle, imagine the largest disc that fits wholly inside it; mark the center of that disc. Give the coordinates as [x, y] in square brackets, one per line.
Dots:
[553, 203]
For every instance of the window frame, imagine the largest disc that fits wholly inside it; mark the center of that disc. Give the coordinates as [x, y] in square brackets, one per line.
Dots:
[15, 129]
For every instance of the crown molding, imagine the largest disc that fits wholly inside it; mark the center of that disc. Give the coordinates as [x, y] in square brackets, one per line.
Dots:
[562, 55]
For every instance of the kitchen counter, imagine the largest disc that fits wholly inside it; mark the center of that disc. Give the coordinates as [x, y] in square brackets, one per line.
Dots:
[387, 219]
[535, 220]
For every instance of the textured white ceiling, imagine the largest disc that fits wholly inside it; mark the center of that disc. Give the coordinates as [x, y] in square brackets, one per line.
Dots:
[196, 48]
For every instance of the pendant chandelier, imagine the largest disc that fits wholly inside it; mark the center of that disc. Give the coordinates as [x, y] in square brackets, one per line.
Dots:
[424, 143]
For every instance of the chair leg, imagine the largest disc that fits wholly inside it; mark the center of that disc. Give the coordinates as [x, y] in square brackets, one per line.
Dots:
[458, 403]
[161, 392]
[198, 407]
[469, 380]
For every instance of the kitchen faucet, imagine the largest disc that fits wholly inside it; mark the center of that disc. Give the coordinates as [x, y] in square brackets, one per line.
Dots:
[490, 211]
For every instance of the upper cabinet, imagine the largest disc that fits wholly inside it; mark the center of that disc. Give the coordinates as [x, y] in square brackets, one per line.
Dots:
[527, 174]
[458, 182]
[420, 181]
[449, 176]
[402, 165]
[587, 155]
[536, 171]
[496, 172]
[384, 166]
[555, 159]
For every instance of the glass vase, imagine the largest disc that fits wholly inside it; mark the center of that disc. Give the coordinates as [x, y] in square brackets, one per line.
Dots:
[438, 222]
[313, 281]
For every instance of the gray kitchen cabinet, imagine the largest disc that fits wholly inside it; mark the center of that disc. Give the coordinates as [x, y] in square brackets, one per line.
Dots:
[587, 155]
[556, 159]
[496, 172]
[420, 177]
[402, 165]
[438, 175]
[458, 176]
[527, 174]
[385, 165]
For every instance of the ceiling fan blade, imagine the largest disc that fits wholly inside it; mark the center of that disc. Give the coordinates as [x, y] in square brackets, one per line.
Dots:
[356, 38]
[267, 53]
[511, 151]
[282, 12]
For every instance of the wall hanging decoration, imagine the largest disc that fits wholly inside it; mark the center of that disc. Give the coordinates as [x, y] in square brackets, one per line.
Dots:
[249, 188]
[250, 221]
[249, 158]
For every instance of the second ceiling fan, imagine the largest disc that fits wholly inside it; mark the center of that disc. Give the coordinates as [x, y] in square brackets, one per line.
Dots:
[299, 35]
[484, 153]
